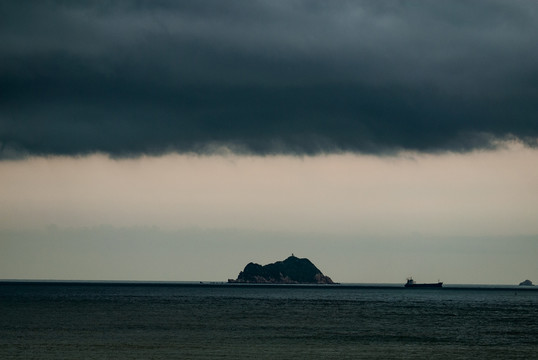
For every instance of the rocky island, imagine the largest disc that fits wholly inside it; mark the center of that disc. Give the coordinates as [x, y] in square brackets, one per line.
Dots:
[526, 283]
[293, 270]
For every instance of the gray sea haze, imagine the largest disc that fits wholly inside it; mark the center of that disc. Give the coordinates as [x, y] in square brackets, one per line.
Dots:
[200, 321]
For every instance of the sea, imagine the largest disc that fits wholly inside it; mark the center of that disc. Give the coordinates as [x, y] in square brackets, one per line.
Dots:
[141, 320]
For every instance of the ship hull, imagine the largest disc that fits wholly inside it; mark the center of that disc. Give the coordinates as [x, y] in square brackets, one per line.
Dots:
[434, 285]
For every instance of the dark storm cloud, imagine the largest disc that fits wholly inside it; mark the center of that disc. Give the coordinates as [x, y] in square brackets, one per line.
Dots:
[266, 77]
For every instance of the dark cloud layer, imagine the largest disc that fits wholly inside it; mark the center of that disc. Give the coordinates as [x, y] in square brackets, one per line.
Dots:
[266, 77]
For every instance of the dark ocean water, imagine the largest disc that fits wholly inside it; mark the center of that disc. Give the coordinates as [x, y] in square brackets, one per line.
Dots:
[179, 321]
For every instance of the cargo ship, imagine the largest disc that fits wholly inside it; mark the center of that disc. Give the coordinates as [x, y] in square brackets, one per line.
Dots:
[412, 284]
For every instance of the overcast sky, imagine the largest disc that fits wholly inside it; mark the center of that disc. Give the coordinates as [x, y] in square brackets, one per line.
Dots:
[180, 140]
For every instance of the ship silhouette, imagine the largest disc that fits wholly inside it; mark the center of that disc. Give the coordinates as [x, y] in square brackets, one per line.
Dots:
[412, 284]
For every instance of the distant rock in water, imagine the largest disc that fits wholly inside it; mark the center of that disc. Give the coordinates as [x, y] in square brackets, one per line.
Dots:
[290, 271]
[526, 283]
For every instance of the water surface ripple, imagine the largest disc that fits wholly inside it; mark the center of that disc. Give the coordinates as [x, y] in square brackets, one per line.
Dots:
[133, 321]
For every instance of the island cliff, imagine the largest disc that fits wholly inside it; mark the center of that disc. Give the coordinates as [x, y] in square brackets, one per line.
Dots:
[293, 270]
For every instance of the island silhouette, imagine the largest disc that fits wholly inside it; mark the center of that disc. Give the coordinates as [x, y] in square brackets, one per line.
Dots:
[293, 270]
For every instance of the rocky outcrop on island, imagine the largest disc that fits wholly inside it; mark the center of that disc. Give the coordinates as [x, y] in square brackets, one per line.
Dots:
[526, 283]
[293, 270]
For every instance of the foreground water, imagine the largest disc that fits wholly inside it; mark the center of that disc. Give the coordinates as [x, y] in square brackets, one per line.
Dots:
[187, 321]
